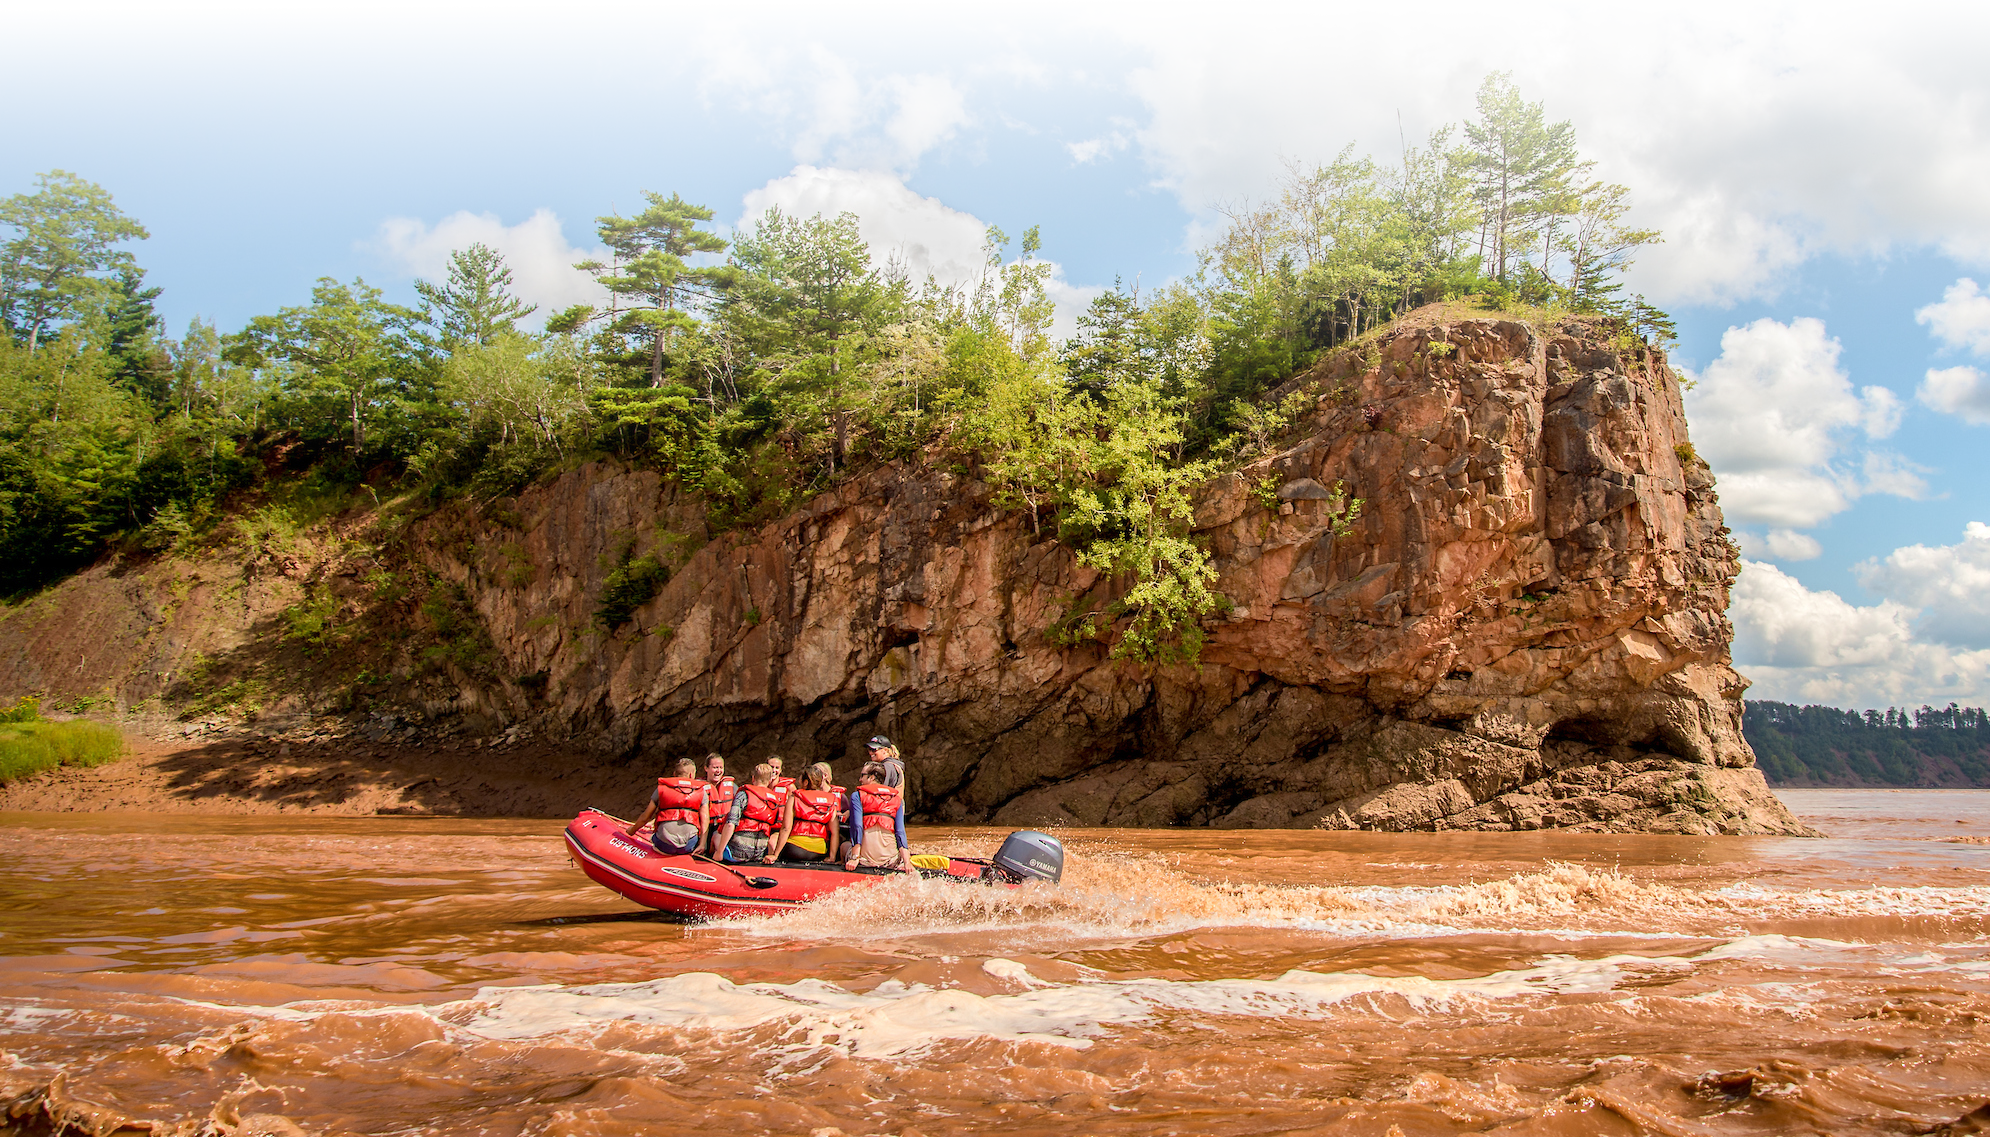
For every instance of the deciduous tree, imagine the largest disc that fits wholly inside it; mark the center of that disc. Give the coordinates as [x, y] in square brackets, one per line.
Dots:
[64, 257]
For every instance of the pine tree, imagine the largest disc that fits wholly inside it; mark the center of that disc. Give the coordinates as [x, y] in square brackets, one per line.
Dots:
[1600, 246]
[652, 271]
[1520, 164]
[138, 360]
[476, 305]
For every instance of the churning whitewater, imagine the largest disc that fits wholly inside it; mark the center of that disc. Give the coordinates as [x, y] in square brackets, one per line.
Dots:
[347, 976]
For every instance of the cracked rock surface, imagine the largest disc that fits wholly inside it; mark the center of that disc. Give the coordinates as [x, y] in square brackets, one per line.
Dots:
[1523, 629]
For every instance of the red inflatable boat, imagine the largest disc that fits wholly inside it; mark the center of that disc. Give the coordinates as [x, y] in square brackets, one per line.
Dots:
[702, 888]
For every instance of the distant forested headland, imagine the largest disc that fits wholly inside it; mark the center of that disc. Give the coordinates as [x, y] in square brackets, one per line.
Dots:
[1825, 746]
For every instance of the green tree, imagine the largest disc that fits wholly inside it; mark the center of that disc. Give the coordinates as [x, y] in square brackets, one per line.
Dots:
[654, 288]
[1600, 246]
[356, 352]
[63, 259]
[475, 305]
[1520, 166]
[809, 297]
[139, 358]
[1110, 346]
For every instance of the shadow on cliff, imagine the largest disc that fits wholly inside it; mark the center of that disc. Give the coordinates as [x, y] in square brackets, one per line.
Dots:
[356, 777]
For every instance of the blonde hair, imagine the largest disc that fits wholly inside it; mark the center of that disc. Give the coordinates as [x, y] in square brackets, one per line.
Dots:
[763, 774]
[687, 767]
[817, 776]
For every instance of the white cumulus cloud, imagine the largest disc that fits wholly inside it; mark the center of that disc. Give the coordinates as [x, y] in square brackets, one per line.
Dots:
[1950, 584]
[836, 104]
[1816, 647]
[1779, 545]
[927, 236]
[1961, 319]
[1754, 134]
[1773, 414]
[1960, 391]
[926, 111]
[536, 250]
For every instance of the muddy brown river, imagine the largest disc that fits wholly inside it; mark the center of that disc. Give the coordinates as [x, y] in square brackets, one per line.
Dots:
[389, 976]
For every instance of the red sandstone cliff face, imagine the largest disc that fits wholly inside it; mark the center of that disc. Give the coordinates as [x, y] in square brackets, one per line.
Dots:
[1524, 629]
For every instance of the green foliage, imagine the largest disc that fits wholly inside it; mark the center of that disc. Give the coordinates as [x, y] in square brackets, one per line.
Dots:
[25, 709]
[475, 305]
[632, 584]
[28, 747]
[655, 286]
[355, 361]
[313, 620]
[757, 374]
[63, 260]
[1265, 492]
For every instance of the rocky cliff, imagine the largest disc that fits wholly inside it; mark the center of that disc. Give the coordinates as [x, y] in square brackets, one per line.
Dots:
[1524, 628]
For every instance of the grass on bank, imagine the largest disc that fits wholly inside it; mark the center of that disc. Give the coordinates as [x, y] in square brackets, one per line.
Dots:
[30, 744]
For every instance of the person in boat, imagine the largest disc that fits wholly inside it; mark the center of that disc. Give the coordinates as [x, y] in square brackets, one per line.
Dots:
[783, 784]
[877, 824]
[880, 750]
[682, 808]
[808, 820]
[723, 789]
[755, 816]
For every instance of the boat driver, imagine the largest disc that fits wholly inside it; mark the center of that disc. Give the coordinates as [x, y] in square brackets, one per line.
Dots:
[755, 815]
[880, 750]
[681, 806]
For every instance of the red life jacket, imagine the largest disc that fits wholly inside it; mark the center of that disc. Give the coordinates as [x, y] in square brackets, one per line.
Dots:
[722, 793]
[815, 811]
[678, 799]
[880, 806]
[763, 809]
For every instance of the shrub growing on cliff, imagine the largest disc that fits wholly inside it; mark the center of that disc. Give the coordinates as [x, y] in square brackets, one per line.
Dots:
[632, 584]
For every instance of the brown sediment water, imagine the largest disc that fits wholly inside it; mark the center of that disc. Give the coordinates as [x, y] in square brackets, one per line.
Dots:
[262, 974]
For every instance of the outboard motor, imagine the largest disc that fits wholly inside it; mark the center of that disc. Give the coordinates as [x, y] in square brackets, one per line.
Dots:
[1029, 855]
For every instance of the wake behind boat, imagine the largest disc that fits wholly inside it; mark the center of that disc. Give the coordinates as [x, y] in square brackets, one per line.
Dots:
[703, 888]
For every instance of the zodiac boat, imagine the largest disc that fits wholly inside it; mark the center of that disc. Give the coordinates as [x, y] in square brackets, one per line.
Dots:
[702, 888]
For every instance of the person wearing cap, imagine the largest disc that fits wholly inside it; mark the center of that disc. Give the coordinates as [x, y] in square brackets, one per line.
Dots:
[880, 750]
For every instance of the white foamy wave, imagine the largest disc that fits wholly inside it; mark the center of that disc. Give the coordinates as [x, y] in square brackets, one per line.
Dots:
[896, 1019]
[1116, 896]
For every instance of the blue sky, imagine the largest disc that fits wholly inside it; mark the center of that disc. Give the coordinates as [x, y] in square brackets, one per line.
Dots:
[1818, 173]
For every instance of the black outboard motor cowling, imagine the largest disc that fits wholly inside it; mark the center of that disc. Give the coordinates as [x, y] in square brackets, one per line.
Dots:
[1029, 855]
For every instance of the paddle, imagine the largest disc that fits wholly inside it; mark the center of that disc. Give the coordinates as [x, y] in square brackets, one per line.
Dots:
[751, 881]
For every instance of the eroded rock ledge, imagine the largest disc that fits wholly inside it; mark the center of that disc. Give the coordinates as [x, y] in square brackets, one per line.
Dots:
[1524, 629]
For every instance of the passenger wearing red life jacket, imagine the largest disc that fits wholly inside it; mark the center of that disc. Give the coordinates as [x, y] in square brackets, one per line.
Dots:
[877, 824]
[754, 818]
[723, 788]
[681, 806]
[808, 820]
[785, 786]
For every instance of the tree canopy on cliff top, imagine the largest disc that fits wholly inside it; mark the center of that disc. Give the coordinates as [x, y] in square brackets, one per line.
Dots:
[761, 370]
